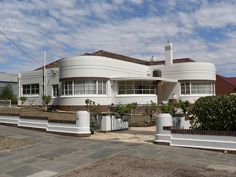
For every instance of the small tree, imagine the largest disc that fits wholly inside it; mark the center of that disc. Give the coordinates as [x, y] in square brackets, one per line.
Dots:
[125, 110]
[7, 94]
[150, 109]
[92, 107]
[184, 105]
[23, 99]
[46, 100]
[95, 111]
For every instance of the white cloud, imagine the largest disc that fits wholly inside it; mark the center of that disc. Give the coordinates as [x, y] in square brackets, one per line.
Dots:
[116, 26]
[216, 15]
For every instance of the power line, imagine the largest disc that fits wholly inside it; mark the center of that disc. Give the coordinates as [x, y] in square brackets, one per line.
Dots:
[19, 48]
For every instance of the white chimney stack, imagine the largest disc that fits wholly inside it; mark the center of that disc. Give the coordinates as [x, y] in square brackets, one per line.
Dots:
[168, 54]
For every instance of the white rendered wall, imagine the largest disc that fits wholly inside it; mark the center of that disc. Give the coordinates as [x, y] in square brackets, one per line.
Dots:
[190, 71]
[80, 100]
[81, 127]
[110, 123]
[95, 66]
[204, 141]
[36, 77]
[163, 136]
[140, 99]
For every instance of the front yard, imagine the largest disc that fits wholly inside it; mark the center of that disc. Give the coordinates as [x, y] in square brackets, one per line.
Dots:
[7, 143]
[120, 165]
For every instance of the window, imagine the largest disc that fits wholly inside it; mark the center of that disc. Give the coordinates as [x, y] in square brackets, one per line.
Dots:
[67, 88]
[185, 88]
[79, 87]
[136, 87]
[82, 87]
[188, 88]
[102, 87]
[90, 87]
[55, 90]
[31, 89]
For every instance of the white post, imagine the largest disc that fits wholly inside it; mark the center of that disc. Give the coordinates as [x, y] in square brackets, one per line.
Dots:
[45, 74]
[19, 89]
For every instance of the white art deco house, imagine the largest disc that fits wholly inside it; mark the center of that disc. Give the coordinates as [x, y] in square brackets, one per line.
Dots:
[109, 78]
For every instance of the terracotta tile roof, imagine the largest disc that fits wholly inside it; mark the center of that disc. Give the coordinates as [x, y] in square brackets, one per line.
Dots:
[103, 53]
[54, 64]
[230, 80]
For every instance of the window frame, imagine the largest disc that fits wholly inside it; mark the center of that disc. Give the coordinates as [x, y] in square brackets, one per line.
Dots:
[138, 87]
[85, 87]
[31, 89]
[55, 91]
[197, 88]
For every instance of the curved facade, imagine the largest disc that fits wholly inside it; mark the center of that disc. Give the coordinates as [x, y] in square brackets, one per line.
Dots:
[92, 77]
[190, 71]
[101, 67]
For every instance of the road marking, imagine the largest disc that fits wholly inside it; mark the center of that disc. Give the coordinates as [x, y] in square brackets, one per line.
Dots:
[43, 173]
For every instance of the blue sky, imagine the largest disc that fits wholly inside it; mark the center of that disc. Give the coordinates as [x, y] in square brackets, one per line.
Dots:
[200, 29]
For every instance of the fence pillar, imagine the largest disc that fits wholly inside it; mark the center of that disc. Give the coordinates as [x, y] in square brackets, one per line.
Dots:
[83, 121]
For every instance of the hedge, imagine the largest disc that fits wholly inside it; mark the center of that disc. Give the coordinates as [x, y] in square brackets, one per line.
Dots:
[215, 113]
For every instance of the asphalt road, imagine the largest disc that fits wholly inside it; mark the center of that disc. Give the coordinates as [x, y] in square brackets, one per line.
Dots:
[56, 154]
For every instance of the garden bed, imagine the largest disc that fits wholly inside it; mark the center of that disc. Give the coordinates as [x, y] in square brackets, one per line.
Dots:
[65, 117]
[39, 114]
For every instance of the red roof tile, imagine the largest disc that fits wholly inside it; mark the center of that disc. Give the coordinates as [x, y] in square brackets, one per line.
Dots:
[232, 80]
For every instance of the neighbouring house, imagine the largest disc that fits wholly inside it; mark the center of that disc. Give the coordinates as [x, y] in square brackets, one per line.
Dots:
[109, 78]
[225, 85]
[9, 79]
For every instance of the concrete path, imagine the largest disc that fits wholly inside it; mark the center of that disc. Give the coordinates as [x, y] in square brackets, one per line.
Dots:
[53, 155]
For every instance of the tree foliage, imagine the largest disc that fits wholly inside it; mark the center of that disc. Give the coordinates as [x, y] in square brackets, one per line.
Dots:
[124, 110]
[7, 94]
[92, 107]
[150, 109]
[215, 113]
[46, 100]
[23, 99]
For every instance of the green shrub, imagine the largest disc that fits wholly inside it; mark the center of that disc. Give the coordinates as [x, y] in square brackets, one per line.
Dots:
[124, 110]
[92, 107]
[7, 94]
[166, 108]
[23, 99]
[46, 100]
[215, 113]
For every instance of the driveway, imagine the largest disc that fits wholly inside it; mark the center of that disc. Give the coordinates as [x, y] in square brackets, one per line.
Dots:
[56, 154]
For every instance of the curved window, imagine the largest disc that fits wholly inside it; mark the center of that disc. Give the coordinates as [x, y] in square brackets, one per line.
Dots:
[136, 87]
[194, 88]
[84, 87]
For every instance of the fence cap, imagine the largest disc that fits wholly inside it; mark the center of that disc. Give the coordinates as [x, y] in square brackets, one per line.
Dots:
[82, 113]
